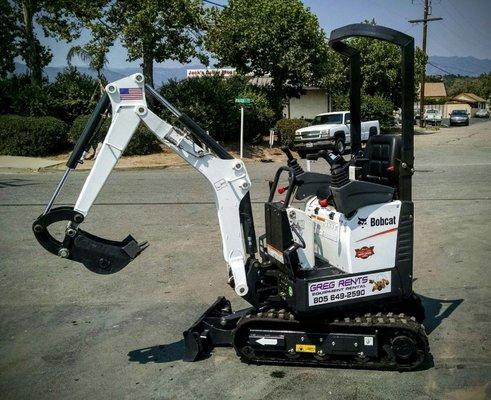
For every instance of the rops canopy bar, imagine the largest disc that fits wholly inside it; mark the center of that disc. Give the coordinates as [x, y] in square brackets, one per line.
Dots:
[406, 43]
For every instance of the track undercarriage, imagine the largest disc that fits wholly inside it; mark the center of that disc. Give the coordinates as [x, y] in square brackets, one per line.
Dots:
[385, 341]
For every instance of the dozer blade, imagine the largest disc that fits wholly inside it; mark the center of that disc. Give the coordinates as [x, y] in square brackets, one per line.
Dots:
[99, 255]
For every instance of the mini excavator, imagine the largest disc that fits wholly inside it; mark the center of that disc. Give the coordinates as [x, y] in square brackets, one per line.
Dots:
[329, 284]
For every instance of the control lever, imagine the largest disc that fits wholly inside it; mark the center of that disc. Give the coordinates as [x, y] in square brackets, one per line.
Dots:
[331, 158]
[292, 162]
[288, 153]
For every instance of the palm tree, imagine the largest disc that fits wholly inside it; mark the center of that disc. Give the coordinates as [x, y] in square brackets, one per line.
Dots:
[93, 55]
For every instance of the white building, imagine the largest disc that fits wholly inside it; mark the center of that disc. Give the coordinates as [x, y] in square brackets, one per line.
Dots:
[311, 102]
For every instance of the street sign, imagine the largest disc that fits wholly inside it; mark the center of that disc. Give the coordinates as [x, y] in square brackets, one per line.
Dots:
[243, 100]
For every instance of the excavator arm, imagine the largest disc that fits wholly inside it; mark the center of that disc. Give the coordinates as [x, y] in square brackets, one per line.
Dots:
[227, 176]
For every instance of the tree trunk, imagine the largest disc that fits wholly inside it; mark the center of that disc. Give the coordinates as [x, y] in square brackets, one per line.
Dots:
[148, 68]
[32, 58]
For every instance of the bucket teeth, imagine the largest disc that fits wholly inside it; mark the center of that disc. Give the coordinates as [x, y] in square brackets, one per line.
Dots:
[143, 245]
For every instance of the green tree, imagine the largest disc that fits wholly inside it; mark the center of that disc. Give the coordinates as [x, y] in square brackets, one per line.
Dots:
[374, 107]
[71, 94]
[54, 19]
[150, 30]
[281, 38]
[8, 35]
[381, 67]
[210, 101]
[480, 85]
[92, 54]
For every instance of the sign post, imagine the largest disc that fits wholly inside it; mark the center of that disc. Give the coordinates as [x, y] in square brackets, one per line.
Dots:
[243, 101]
[241, 130]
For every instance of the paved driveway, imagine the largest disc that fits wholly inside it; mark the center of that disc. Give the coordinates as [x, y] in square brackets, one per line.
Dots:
[66, 333]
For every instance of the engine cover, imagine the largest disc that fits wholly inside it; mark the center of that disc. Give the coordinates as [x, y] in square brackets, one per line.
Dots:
[365, 242]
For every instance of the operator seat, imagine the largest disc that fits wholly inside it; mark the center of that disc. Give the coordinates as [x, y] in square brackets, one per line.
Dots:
[380, 177]
[383, 153]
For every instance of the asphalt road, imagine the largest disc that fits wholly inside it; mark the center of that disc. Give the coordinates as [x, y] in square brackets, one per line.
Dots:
[66, 333]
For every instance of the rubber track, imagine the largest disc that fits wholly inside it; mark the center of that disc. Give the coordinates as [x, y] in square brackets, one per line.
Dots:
[369, 323]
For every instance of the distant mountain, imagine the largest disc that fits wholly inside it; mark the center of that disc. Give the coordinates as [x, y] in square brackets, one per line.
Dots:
[437, 65]
[469, 66]
[160, 75]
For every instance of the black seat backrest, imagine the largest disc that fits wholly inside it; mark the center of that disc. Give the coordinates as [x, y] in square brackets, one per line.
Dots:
[383, 153]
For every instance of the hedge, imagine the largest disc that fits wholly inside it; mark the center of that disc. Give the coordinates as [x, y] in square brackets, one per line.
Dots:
[210, 102]
[143, 141]
[32, 136]
[372, 108]
[287, 127]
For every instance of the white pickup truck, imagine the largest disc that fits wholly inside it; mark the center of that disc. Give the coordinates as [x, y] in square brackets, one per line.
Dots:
[330, 130]
[433, 117]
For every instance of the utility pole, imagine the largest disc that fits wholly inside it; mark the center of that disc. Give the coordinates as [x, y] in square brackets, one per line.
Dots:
[425, 20]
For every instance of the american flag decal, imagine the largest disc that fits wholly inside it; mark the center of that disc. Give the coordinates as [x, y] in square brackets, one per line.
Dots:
[130, 93]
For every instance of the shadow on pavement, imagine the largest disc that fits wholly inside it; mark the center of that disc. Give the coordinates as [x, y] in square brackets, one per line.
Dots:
[437, 310]
[427, 132]
[163, 353]
[14, 182]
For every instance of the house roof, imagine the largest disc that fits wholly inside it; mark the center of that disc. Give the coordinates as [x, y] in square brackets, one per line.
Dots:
[435, 89]
[470, 96]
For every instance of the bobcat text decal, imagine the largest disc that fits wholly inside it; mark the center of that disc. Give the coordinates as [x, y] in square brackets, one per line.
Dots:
[381, 221]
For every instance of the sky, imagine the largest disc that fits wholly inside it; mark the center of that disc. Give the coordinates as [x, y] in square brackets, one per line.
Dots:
[464, 31]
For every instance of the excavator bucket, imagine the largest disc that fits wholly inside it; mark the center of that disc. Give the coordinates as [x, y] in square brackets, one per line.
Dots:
[99, 255]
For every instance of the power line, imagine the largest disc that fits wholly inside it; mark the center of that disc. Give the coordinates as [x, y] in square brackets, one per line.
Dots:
[388, 10]
[470, 24]
[441, 69]
[215, 4]
[452, 67]
[465, 31]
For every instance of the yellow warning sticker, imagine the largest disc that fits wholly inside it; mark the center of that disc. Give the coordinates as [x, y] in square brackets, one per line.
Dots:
[305, 348]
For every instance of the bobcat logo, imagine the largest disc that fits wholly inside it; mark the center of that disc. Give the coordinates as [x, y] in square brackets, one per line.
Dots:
[362, 221]
[364, 252]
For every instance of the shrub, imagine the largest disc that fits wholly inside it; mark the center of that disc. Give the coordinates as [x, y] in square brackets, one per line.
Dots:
[67, 97]
[142, 142]
[32, 136]
[379, 108]
[210, 101]
[71, 94]
[287, 127]
[372, 108]
[19, 97]
[78, 126]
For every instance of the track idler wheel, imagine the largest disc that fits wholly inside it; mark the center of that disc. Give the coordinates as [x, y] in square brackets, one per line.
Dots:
[404, 348]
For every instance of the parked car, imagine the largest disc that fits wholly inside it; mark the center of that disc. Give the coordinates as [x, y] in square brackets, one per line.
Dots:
[459, 117]
[330, 130]
[482, 113]
[433, 117]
